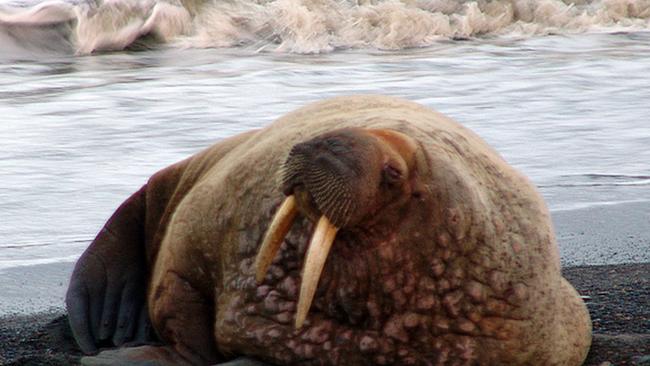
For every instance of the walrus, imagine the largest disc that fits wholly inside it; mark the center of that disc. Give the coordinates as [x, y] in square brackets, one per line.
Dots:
[354, 231]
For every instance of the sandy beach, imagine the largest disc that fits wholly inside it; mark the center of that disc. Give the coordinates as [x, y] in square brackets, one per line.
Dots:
[604, 254]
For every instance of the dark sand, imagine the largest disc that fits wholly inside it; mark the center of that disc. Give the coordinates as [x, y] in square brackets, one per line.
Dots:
[618, 298]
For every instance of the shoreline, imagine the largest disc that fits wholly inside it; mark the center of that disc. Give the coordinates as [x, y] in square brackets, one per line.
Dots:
[603, 234]
[614, 295]
[34, 289]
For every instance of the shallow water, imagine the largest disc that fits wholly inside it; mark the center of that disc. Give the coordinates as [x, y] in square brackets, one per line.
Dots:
[80, 133]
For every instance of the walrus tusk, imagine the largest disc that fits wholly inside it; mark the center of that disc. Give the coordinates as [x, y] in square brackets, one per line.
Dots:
[319, 248]
[274, 236]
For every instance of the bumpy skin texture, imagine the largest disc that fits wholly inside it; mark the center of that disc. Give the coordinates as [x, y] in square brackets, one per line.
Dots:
[465, 271]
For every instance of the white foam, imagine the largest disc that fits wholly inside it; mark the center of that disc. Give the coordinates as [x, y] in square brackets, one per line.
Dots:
[313, 26]
[117, 24]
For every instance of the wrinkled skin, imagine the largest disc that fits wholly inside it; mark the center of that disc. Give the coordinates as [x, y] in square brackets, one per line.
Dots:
[441, 253]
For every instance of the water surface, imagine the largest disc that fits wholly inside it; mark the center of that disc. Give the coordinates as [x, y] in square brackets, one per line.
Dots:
[80, 133]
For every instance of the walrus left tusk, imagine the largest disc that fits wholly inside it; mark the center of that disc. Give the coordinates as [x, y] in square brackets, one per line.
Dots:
[319, 248]
[274, 236]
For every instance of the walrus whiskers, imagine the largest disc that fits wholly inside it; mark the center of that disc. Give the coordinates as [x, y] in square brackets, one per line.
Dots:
[274, 237]
[319, 248]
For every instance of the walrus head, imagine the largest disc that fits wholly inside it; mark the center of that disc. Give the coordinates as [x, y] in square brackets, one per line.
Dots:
[347, 179]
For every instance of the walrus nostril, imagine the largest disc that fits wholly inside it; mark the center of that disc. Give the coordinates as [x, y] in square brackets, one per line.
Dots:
[341, 144]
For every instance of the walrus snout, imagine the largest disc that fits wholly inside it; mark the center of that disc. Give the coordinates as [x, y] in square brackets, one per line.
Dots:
[337, 179]
[326, 173]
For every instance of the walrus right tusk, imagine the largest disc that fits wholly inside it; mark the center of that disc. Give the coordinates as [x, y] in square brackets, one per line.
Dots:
[275, 236]
[319, 248]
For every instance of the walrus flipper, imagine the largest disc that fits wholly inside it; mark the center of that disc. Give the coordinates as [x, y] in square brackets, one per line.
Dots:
[106, 297]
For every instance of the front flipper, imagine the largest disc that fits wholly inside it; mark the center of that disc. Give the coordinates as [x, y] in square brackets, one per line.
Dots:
[106, 296]
[106, 299]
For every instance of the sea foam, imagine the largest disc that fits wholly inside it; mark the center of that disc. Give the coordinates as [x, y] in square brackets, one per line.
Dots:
[303, 26]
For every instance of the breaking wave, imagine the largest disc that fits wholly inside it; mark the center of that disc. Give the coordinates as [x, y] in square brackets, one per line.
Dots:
[300, 26]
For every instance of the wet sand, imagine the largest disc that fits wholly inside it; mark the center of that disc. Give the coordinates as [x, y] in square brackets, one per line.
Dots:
[34, 331]
[607, 234]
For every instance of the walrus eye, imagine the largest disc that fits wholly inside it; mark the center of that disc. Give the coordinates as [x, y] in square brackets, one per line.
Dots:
[391, 174]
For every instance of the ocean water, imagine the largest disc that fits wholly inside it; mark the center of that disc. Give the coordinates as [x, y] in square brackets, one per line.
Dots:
[97, 96]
